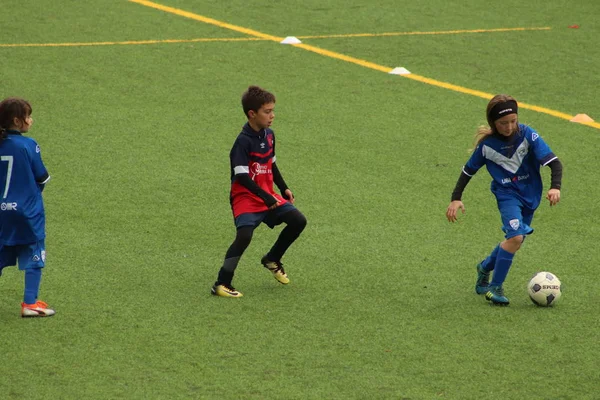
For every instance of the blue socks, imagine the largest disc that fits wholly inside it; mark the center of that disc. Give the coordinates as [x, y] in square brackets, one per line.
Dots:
[489, 263]
[504, 260]
[33, 278]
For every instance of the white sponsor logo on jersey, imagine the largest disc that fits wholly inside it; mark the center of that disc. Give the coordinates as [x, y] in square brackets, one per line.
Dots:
[258, 169]
[8, 206]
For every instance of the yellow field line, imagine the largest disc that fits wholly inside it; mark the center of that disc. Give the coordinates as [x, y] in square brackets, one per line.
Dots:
[357, 61]
[453, 32]
[130, 42]
[207, 20]
[245, 39]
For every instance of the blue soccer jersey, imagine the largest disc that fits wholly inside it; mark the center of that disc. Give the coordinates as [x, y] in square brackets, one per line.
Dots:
[22, 176]
[514, 164]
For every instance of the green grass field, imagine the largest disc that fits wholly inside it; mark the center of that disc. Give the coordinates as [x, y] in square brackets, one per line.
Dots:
[136, 136]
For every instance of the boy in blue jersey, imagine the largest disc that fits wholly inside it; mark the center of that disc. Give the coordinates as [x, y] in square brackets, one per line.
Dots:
[512, 154]
[22, 219]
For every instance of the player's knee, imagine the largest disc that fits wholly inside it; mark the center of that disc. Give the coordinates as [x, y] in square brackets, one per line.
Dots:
[296, 221]
[300, 222]
[516, 241]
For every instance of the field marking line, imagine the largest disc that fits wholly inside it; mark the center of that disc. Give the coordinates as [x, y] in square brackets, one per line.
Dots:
[451, 32]
[353, 60]
[245, 39]
[207, 20]
[130, 42]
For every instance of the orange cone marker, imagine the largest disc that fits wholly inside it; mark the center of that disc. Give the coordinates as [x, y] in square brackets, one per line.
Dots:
[581, 118]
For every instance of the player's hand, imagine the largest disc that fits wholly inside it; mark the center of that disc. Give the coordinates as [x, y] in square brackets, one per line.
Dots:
[274, 206]
[289, 195]
[275, 203]
[453, 208]
[553, 196]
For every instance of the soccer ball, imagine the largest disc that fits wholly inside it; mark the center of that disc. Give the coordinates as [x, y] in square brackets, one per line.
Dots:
[544, 289]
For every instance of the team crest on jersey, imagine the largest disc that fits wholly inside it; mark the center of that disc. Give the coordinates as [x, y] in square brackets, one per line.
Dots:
[37, 148]
[534, 136]
[270, 140]
[514, 223]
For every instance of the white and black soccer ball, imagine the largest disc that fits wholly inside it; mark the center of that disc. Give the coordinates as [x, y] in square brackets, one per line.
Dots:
[544, 289]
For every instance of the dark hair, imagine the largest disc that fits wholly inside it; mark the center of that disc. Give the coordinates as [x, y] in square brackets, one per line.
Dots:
[254, 98]
[11, 108]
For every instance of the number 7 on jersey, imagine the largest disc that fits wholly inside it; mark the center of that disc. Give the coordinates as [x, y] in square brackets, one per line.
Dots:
[8, 159]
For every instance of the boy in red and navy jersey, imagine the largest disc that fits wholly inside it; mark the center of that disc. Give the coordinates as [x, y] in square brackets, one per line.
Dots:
[253, 172]
[253, 154]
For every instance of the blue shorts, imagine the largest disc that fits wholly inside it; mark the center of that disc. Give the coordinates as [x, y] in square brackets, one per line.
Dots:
[516, 218]
[28, 256]
[271, 218]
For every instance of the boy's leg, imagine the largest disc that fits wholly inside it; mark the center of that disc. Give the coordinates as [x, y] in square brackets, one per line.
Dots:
[222, 286]
[295, 223]
[242, 240]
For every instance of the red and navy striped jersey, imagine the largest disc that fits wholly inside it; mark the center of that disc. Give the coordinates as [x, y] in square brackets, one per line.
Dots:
[252, 153]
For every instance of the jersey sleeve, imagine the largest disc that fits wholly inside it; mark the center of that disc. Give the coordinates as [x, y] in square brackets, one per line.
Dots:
[542, 151]
[240, 157]
[37, 165]
[475, 162]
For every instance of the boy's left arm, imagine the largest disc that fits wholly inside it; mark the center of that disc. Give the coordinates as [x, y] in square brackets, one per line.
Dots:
[281, 185]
